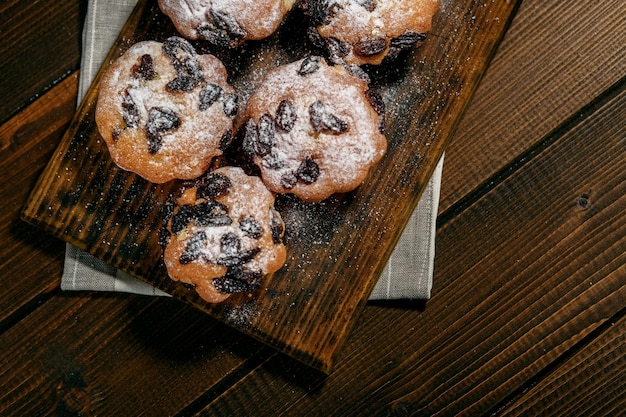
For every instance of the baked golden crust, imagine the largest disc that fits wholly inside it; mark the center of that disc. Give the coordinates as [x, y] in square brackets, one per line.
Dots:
[312, 130]
[164, 111]
[224, 235]
[359, 32]
[226, 22]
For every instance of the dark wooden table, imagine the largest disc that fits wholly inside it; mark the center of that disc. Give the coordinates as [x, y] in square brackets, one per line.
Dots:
[527, 315]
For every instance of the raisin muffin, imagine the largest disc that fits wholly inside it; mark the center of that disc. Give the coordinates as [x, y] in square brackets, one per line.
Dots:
[226, 22]
[359, 32]
[164, 111]
[224, 235]
[313, 129]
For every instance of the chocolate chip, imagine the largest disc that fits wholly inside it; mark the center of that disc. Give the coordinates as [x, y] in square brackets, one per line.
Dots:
[370, 47]
[222, 30]
[212, 213]
[309, 65]
[130, 113]
[193, 248]
[324, 121]
[308, 171]
[276, 226]
[160, 119]
[250, 227]
[182, 218]
[231, 104]
[214, 185]
[286, 115]
[209, 94]
[144, 70]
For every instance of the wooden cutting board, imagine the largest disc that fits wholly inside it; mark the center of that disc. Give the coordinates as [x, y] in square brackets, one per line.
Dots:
[337, 248]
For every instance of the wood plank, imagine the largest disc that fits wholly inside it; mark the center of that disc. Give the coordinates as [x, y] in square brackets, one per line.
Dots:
[526, 81]
[513, 294]
[34, 261]
[308, 307]
[121, 355]
[41, 45]
[578, 386]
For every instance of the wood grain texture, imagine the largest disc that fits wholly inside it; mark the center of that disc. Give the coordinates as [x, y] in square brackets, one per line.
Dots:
[30, 31]
[117, 355]
[578, 386]
[526, 92]
[513, 295]
[27, 142]
[337, 248]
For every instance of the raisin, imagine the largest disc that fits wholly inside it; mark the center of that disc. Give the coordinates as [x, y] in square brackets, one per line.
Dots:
[214, 185]
[273, 161]
[314, 37]
[181, 83]
[209, 95]
[130, 113]
[337, 50]
[309, 65]
[369, 5]
[308, 171]
[144, 70]
[160, 119]
[226, 140]
[377, 102]
[288, 180]
[193, 248]
[276, 226]
[223, 30]
[212, 213]
[183, 57]
[358, 72]
[324, 121]
[370, 47]
[231, 105]
[266, 136]
[250, 227]
[250, 138]
[230, 244]
[238, 258]
[407, 40]
[182, 218]
[115, 134]
[238, 279]
[286, 115]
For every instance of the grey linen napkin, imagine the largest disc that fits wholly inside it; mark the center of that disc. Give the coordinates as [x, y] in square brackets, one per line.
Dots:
[407, 275]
